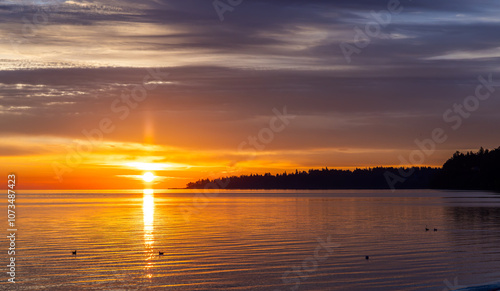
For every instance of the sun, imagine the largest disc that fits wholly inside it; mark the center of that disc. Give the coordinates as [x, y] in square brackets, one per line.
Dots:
[148, 177]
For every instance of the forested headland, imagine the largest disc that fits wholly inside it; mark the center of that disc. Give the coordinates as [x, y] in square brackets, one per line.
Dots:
[467, 171]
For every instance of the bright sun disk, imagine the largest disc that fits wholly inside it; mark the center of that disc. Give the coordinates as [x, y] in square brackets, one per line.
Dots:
[148, 177]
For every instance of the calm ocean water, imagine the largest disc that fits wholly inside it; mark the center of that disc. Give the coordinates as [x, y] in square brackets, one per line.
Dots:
[255, 240]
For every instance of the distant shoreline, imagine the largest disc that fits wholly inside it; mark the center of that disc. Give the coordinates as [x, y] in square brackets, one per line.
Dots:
[469, 171]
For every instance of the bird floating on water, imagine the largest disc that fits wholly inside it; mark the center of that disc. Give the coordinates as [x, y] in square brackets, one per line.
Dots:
[160, 253]
[367, 257]
[74, 252]
[435, 229]
[426, 229]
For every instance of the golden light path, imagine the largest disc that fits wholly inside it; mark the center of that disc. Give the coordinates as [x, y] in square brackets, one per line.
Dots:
[148, 209]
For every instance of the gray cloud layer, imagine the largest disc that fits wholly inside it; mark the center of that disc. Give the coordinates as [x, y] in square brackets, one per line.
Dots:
[226, 77]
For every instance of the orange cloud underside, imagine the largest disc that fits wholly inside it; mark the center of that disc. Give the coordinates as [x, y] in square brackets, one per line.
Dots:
[122, 166]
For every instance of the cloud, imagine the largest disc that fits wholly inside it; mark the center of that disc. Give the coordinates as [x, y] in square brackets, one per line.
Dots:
[290, 35]
[60, 74]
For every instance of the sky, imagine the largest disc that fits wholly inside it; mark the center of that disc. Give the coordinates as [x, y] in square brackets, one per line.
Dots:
[95, 93]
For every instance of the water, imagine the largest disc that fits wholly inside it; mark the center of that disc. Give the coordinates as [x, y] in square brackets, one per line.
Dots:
[255, 240]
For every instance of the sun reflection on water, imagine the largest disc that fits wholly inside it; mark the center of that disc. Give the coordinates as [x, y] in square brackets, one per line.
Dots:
[148, 209]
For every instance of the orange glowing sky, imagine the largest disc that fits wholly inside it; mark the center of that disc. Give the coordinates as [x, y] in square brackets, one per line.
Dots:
[95, 94]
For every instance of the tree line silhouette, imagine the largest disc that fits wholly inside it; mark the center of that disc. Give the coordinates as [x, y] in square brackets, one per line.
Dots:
[469, 171]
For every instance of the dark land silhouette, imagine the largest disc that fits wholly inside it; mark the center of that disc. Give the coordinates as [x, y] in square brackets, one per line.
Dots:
[466, 171]
[470, 171]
